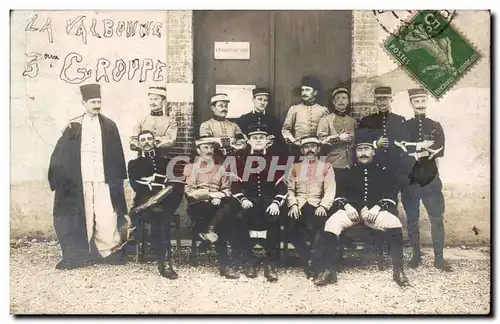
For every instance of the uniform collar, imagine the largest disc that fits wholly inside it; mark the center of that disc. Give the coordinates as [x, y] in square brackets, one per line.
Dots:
[258, 152]
[217, 118]
[150, 154]
[384, 113]
[339, 113]
[309, 103]
[420, 116]
[258, 113]
[90, 118]
[157, 113]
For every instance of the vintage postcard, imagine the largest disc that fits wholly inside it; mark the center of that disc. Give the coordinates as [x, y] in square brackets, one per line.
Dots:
[250, 162]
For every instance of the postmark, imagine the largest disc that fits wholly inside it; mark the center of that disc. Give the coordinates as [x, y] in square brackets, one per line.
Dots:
[435, 56]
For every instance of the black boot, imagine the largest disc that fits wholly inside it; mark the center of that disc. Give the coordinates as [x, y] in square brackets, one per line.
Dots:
[325, 277]
[437, 233]
[416, 258]
[251, 271]
[229, 273]
[167, 271]
[395, 239]
[270, 273]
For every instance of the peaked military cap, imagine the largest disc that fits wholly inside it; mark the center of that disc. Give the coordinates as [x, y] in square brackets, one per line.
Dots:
[257, 129]
[161, 91]
[383, 91]
[219, 97]
[206, 140]
[340, 88]
[417, 92]
[260, 91]
[309, 139]
[364, 137]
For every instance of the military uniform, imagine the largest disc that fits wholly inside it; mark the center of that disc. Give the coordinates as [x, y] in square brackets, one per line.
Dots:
[364, 186]
[302, 120]
[262, 189]
[338, 152]
[263, 118]
[163, 127]
[390, 126]
[424, 183]
[149, 164]
[203, 178]
[311, 184]
[227, 133]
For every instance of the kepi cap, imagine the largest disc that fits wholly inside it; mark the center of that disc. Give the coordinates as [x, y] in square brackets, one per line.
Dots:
[364, 137]
[161, 91]
[90, 91]
[310, 139]
[257, 129]
[260, 91]
[383, 91]
[206, 140]
[417, 92]
[310, 81]
[341, 88]
[219, 97]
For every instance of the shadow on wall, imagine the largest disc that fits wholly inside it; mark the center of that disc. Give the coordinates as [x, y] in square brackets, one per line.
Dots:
[32, 202]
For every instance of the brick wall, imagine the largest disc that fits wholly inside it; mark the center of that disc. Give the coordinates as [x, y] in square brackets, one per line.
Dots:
[365, 51]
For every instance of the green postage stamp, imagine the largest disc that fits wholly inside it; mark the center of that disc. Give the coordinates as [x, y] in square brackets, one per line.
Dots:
[432, 51]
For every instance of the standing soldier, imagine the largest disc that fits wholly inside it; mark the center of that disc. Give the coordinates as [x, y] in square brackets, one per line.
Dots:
[163, 127]
[426, 144]
[336, 131]
[261, 115]
[311, 191]
[390, 131]
[365, 193]
[302, 120]
[266, 194]
[208, 193]
[228, 133]
[148, 176]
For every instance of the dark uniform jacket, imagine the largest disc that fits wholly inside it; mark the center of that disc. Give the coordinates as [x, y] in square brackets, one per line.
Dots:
[273, 127]
[366, 185]
[422, 163]
[258, 188]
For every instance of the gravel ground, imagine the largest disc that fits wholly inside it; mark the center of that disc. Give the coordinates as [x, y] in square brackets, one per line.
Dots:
[37, 288]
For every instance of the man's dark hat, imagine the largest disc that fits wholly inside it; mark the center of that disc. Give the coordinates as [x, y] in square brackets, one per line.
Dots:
[260, 91]
[258, 128]
[90, 91]
[310, 81]
[383, 91]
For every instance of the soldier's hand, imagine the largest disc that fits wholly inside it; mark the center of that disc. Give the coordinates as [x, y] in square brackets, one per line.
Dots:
[372, 214]
[294, 212]
[289, 140]
[352, 213]
[218, 195]
[345, 137]
[246, 204]
[148, 179]
[426, 144]
[382, 142]
[320, 211]
[216, 201]
[273, 209]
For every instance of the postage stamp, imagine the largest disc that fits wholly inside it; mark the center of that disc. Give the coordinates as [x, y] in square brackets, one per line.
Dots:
[431, 50]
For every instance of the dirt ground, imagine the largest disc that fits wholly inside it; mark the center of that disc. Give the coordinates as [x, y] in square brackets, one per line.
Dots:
[37, 288]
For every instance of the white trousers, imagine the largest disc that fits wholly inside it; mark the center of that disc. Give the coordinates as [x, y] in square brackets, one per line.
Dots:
[339, 221]
[100, 217]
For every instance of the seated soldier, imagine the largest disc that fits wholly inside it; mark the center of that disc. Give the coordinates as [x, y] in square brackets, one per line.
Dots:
[261, 192]
[311, 191]
[366, 193]
[208, 193]
[148, 176]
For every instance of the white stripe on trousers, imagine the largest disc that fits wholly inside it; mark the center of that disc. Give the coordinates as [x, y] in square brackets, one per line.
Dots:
[100, 217]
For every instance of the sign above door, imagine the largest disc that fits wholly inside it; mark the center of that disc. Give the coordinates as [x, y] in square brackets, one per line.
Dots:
[232, 50]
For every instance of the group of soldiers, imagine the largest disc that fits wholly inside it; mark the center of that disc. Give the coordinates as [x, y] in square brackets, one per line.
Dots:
[318, 173]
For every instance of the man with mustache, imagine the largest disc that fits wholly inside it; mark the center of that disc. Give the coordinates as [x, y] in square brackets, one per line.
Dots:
[158, 122]
[390, 131]
[425, 145]
[336, 130]
[302, 120]
[226, 132]
[209, 202]
[147, 176]
[86, 171]
[261, 192]
[365, 193]
[311, 191]
[261, 115]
